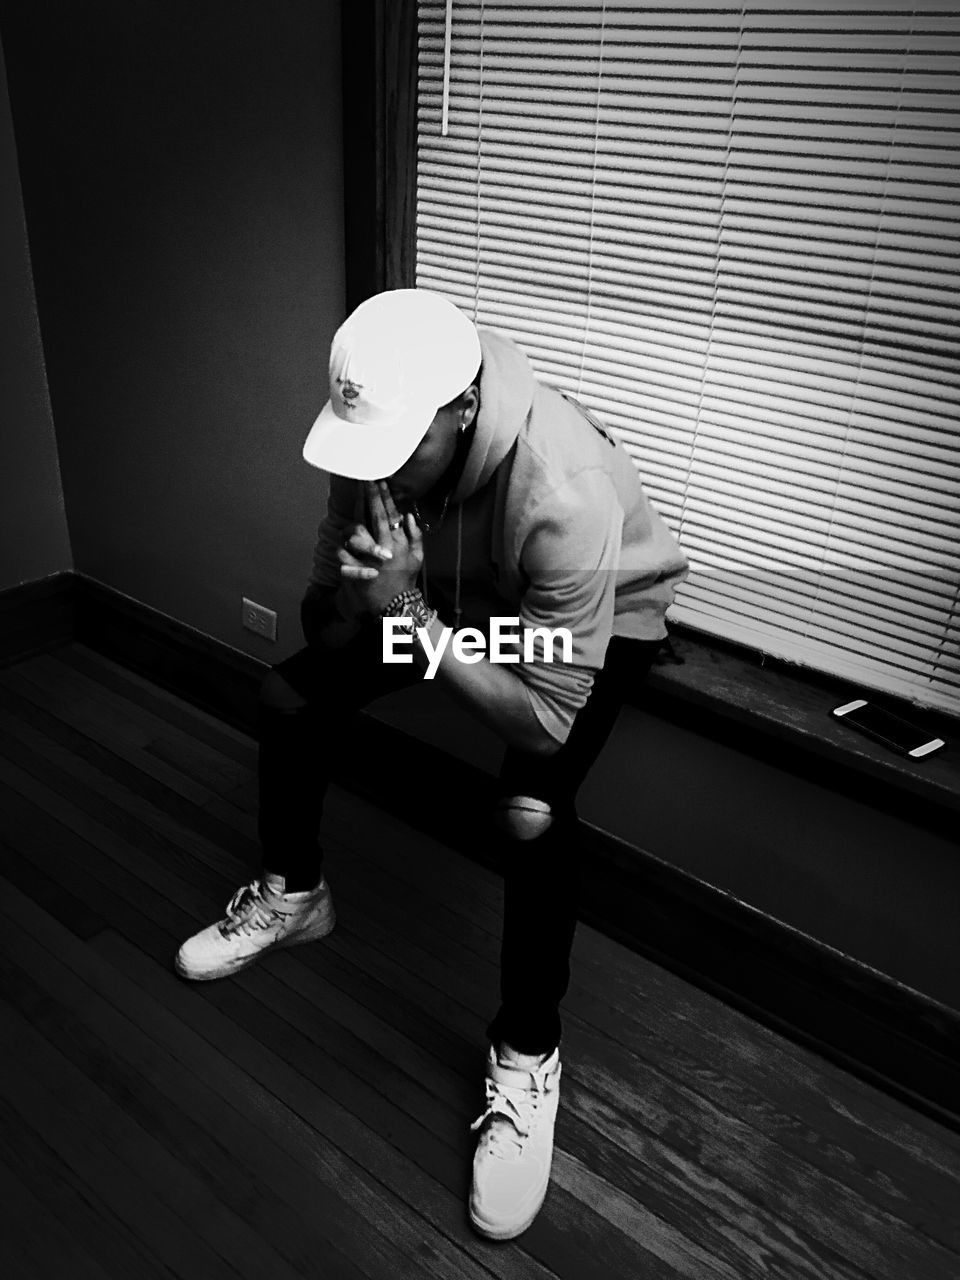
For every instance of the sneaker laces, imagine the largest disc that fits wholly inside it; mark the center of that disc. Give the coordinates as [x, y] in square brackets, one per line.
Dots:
[246, 911]
[516, 1110]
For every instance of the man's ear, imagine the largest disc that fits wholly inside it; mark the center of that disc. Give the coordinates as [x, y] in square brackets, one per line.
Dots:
[469, 404]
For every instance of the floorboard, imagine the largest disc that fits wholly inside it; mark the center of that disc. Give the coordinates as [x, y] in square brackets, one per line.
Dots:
[30, 1252]
[311, 1115]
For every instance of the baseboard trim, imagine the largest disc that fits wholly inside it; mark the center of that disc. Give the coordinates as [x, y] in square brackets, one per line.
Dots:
[889, 1035]
[37, 616]
[204, 671]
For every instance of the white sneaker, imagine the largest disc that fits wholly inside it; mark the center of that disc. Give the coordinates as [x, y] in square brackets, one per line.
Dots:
[511, 1167]
[260, 917]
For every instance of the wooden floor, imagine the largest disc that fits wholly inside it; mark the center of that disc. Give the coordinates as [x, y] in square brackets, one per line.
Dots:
[310, 1117]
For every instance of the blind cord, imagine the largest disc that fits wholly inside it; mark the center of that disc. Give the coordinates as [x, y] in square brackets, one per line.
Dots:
[476, 281]
[842, 470]
[447, 42]
[593, 201]
[702, 389]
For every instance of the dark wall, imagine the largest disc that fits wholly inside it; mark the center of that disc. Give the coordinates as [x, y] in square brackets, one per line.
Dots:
[181, 168]
[33, 529]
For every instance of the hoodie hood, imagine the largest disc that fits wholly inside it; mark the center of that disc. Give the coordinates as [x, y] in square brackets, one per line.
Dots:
[506, 395]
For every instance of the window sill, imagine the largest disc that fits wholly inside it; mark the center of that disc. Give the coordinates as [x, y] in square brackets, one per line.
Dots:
[729, 690]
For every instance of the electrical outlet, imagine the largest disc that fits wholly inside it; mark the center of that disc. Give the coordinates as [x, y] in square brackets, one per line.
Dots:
[255, 617]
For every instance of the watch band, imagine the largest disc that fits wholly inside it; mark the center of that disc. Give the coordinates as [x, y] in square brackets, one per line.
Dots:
[410, 604]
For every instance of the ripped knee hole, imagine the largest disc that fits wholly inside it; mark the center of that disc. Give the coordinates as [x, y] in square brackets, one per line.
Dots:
[523, 817]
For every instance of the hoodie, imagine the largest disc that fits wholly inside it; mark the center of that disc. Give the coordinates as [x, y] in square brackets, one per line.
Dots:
[548, 523]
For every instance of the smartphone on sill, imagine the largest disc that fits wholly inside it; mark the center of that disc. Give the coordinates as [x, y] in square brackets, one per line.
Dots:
[891, 730]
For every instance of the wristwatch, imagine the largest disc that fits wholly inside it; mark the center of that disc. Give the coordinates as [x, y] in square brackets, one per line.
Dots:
[410, 604]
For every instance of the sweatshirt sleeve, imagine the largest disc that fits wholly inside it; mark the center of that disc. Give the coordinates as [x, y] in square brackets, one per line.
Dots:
[341, 509]
[569, 560]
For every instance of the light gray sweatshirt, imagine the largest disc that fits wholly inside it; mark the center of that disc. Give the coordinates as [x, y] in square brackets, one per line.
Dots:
[548, 523]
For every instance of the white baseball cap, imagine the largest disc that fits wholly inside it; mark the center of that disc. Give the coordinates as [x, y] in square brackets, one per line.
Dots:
[397, 359]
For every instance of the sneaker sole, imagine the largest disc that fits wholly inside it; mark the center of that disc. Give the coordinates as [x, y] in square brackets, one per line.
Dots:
[244, 962]
[491, 1231]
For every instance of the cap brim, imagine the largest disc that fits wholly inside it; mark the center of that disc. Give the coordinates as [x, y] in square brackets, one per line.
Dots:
[363, 452]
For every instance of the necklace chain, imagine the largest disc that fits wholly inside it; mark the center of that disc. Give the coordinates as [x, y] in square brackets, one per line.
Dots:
[439, 521]
[466, 439]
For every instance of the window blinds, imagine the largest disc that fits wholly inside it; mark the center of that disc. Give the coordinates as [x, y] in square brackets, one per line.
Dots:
[732, 231]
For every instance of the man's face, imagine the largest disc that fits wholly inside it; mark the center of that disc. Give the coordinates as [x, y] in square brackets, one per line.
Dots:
[429, 460]
[433, 455]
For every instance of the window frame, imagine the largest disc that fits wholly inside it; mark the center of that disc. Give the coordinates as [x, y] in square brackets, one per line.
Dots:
[379, 60]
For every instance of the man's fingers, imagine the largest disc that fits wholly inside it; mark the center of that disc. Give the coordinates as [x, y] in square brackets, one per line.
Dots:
[367, 547]
[378, 514]
[359, 573]
[351, 567]
[360, 542]
[414, 533]
[360, 502]
[393, 515]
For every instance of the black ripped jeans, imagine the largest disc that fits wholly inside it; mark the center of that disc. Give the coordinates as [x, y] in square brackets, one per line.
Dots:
[541, 875]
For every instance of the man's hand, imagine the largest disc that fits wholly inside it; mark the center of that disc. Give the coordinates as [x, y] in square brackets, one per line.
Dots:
[380, 564]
